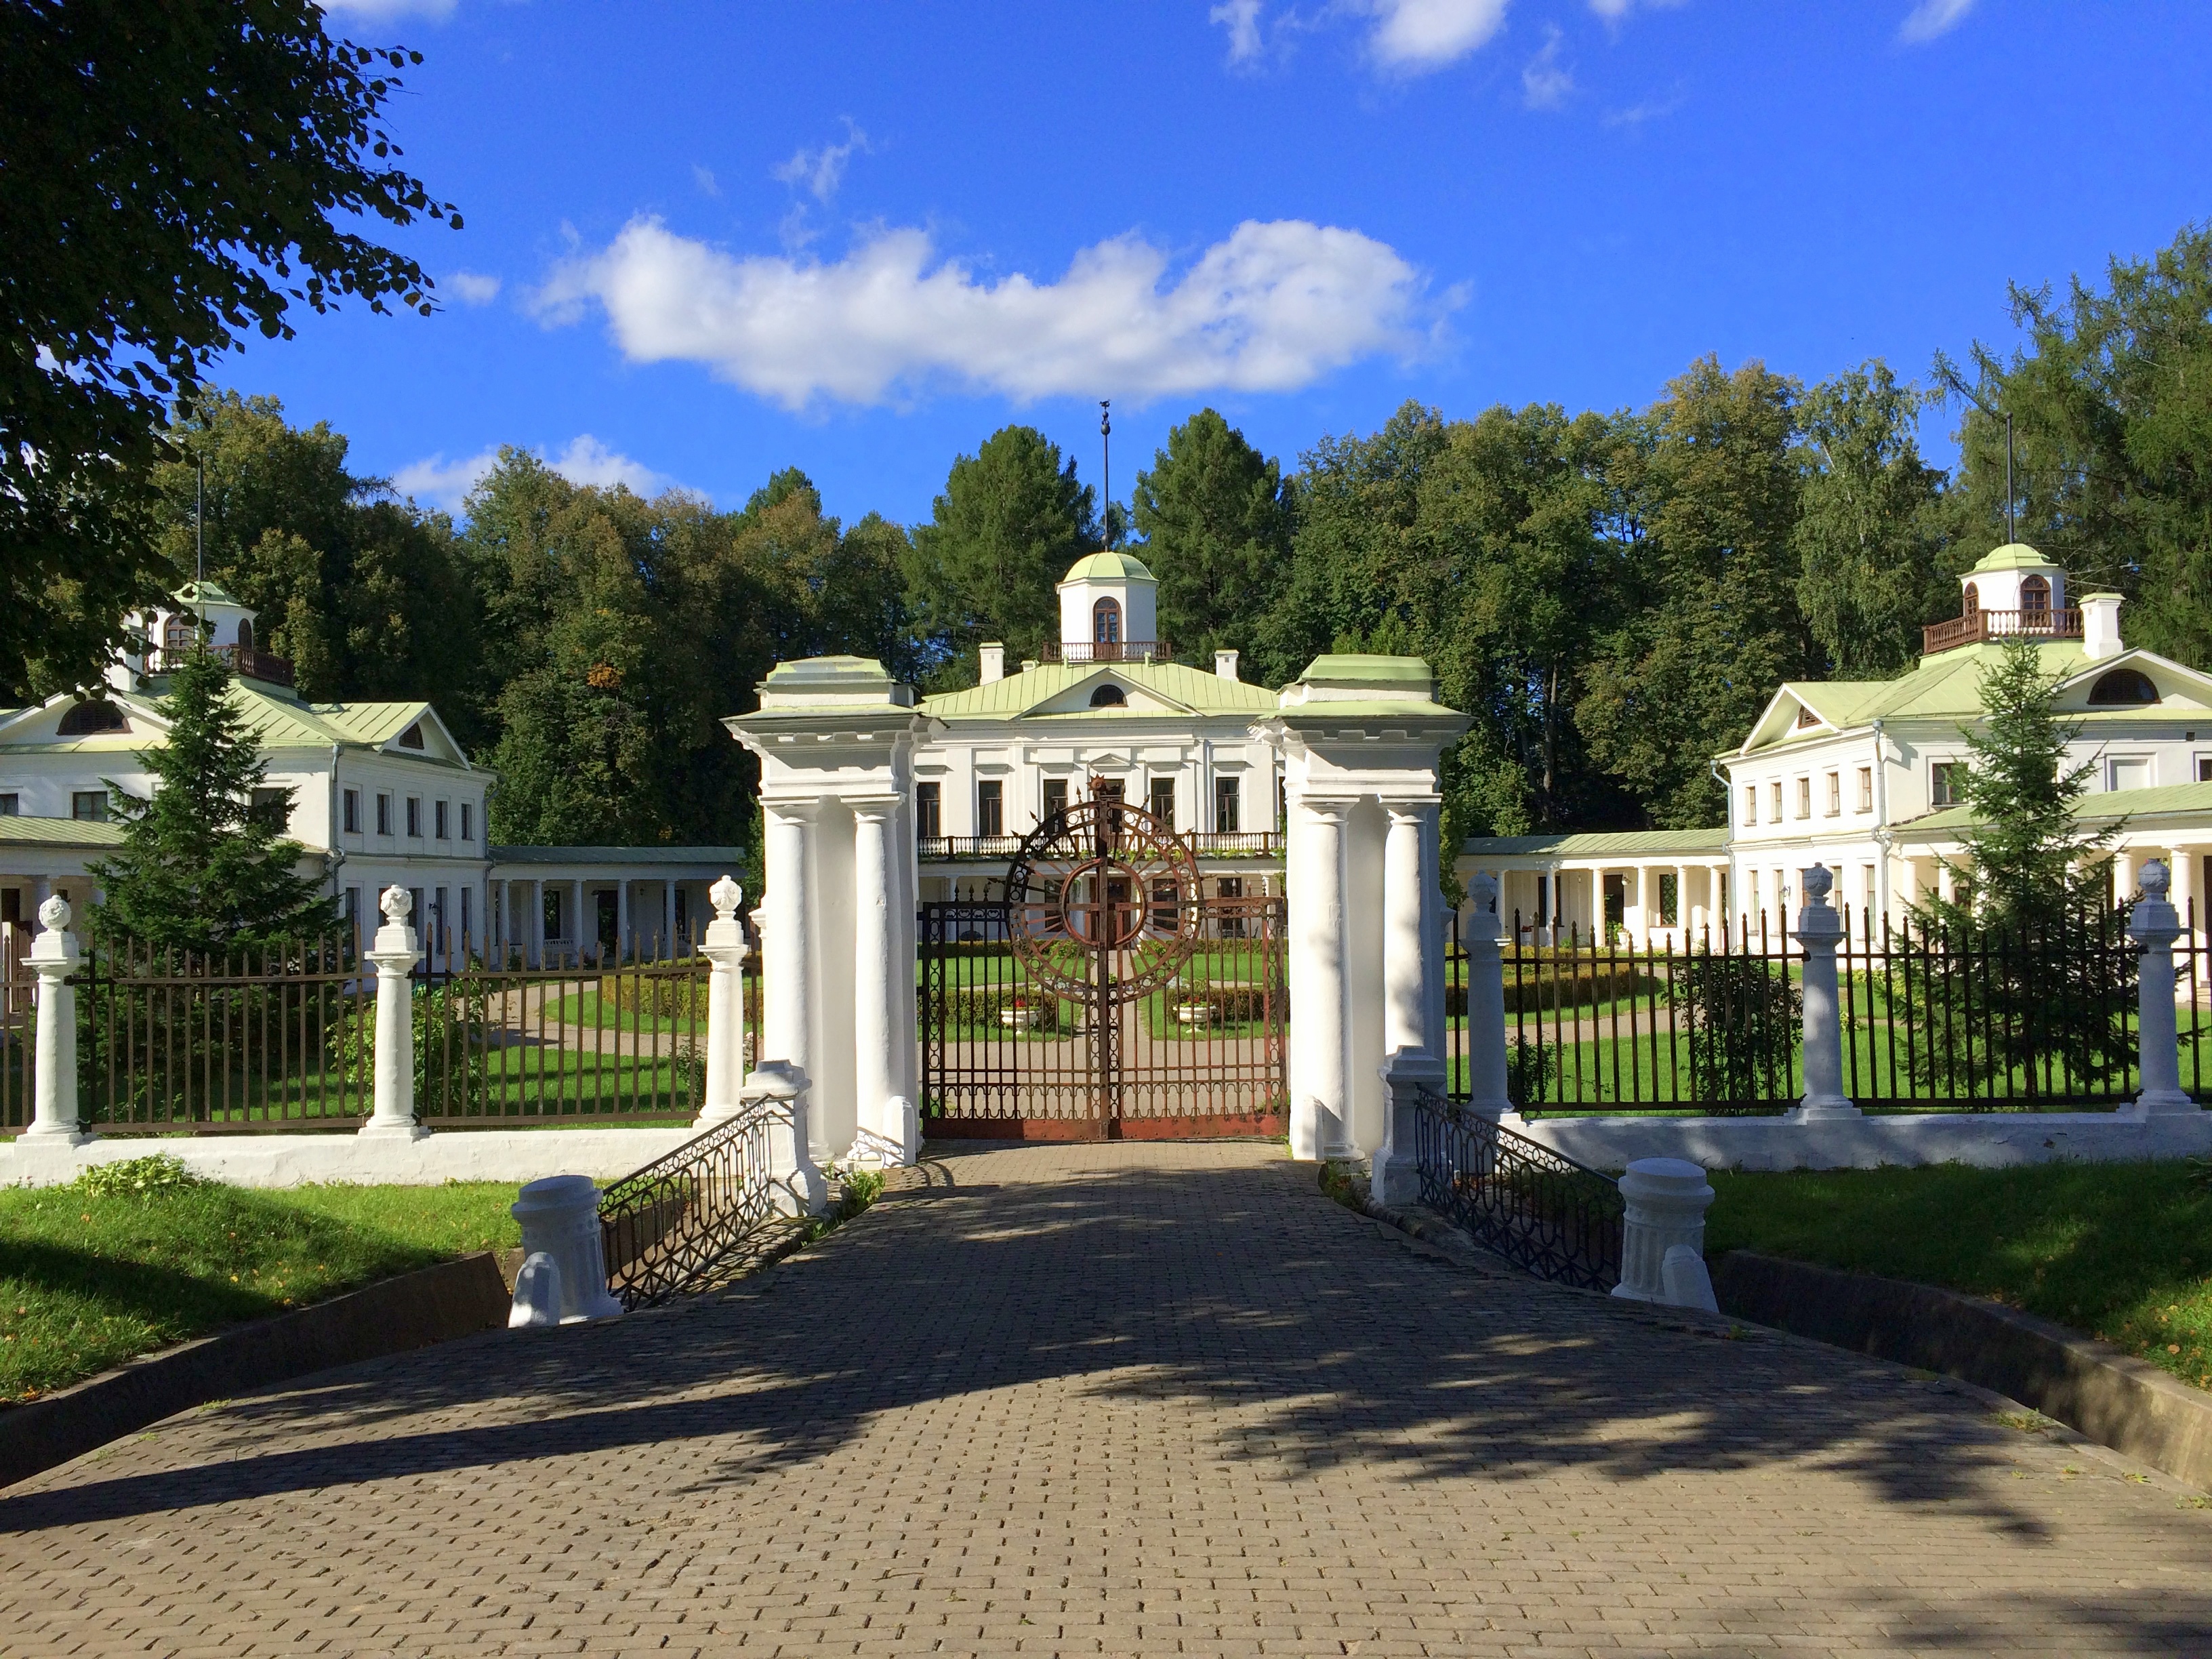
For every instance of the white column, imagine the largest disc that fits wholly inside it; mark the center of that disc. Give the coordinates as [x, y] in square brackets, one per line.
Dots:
[395, 955]
[533, 932]
[725, 951]
[1682, 904]
[1662, 1234]
[780, 1088]
[2181, 867]
[1819, 929]
[2123, 875]
[622, 918]
[54, 957]
[2152, 927]
[886, 1127]
[1485, 1002]
[1405, 1012]
[576, 919]
[666, 946]
[787, 964]
[1321, 1101]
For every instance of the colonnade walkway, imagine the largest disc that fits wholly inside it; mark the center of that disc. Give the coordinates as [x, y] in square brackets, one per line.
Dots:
[1119, 1399]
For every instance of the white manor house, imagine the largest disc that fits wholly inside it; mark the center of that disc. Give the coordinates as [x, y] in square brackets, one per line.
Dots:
[1860, 776]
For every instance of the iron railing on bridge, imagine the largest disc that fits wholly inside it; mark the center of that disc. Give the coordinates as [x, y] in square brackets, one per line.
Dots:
[695, 1216]
[1539, 1209]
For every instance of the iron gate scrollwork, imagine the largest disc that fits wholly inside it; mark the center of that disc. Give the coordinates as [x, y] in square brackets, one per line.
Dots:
[1107, 993]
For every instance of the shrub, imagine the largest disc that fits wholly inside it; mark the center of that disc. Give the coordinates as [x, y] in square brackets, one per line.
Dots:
[1742, 1014]
[162, 1172]
[678, 997]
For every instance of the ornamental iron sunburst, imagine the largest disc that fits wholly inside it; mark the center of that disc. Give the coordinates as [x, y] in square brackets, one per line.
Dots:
[1102, 902]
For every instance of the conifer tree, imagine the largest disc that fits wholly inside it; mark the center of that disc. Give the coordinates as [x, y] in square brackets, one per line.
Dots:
[200, 869]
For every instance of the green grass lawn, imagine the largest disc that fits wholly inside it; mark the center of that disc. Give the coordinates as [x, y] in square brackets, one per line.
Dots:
[2123, 1251]
[589, 1008]
[88, 1279]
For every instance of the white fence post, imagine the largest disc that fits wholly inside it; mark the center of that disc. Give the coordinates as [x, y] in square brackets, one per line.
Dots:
[1395, 1176]
[54, 957]
[800, 1190]
[1665, 1199]
[2154, 927]
[1485, 1003]
[560, 1218]
[395, 955]
[1819, 931]
[725, 1005]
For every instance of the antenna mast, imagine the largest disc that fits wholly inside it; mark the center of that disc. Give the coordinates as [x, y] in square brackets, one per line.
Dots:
[1106, 463]
[199, 520]
[2012, 525]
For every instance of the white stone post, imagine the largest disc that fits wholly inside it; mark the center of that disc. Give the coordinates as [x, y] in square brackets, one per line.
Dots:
[1404, 1010]
[1665, 1199]
[1396, 1173]
[395, 955]
[887, 1130]
[800, 1190]
[1820, 930]
[2152, 927]
[560, 1218]
[1485, 1003]
[725, 951]
[53, 958]
[786, 940]
[1320, 1102]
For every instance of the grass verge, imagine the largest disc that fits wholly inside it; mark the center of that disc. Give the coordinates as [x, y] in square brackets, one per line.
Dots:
[2123, 1251]
[93, 1273]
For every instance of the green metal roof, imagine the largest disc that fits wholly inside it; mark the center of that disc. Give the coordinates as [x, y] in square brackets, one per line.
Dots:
[2102, 807]
[1016, 694]
[276, 720]
[1366, 672]
[730, 856]
[2013, 556]
[1626, 843]
[59, 832]
[1108, 567]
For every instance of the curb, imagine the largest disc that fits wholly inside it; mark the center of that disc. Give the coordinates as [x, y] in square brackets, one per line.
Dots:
[2113, 1398]
[413, 1310]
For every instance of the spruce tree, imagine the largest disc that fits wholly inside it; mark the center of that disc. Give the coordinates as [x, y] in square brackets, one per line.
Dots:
[199, 869]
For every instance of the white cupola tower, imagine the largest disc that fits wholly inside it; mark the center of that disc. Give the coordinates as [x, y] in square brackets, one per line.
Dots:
[169, 631]
[1109, 609]
[2014, 577]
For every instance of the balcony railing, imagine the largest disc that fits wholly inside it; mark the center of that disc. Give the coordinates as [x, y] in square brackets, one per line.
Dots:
[244, 661]
[1108, 651]
[1977, 626]
[1206, 843]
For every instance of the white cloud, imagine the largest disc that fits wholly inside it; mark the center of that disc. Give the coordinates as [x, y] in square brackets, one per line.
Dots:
[1418, 35]
[584, 461]
[1933, 17]
[474, 288]
[1241, 19]
[1272, 308]
[704, 178]
[821, 171]
[1545, 81]
[1614, 10]
[381, 11]
[1652, 109]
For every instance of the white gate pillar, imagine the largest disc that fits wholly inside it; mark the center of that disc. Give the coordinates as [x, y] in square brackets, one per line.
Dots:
[887, 1133]
[1485, 1002]
[725, 951]
[2154, 927]
[54, 957]
[1820, 930]
[1319, 1097]
[395, 955]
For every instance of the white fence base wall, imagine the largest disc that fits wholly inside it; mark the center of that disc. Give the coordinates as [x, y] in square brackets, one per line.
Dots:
[512, 1156]
[1986, 1140]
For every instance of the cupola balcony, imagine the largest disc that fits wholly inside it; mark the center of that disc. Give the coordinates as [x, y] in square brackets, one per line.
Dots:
[245, 661]
[1080, 651]
[1977, 626]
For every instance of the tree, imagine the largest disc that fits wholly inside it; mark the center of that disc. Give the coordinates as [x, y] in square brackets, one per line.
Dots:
[1217, 519]
[1868, 538]
[202, 868]
[176, 175]
[1011, 520]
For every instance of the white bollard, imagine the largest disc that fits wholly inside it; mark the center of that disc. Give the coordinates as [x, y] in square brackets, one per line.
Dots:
[53, 958]
[1688, 1285]
[560, 1217]
[537, 1293]
[1485, 1003]
[1666, 1199]
[800, 1190]
[2154, 927]
[725, 1005]
[395, 954]
[1396, 1175]
[1819, 931]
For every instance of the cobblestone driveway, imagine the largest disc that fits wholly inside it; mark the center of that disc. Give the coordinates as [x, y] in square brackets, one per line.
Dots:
[1123, 1400]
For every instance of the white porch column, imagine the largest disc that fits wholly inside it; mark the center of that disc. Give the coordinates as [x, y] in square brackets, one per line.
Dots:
[54, 957]
[1321, 1099]
[533, 931]
[1405, 1012]
[2152, 927]
[2181, 867]
[786, 953]
[665, 948]
[1819, 929]
[2123, 875]
[576, 919]
[395, 955]
[887, 1130]
[1682, 903]
[725, 951]
[622, 918]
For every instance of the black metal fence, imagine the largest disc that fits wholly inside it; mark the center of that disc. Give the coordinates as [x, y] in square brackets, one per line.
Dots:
[695, 1216]
[1539, 1209]
[1992, 1021]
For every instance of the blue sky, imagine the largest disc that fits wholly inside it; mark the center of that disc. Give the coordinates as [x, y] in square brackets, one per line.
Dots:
[705, 241]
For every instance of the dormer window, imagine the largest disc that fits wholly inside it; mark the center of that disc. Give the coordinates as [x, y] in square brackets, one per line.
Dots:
[412, 737]
[90, 718]
[1806, 717]
[2123, 685]
[1109, 695]
[1106, 622]
[2034, 596]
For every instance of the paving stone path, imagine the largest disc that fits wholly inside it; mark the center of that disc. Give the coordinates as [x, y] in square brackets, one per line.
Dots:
[1120, 1400]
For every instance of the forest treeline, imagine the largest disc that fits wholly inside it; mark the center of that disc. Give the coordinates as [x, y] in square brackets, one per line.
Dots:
[1612, 596]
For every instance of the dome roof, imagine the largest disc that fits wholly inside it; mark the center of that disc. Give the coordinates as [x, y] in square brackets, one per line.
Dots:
[1110, 568]
[2013, 556]
[205, 592]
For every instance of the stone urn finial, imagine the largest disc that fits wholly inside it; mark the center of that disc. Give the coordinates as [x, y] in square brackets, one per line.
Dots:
[54, 913]
[2153, 878]
[725, 895]
[1484, 890]
[1817, 881]
[398, 905]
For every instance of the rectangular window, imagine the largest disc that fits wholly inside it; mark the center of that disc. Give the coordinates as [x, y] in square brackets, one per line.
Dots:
[439, 815]
[552, 912]
[1774, 803]
[1835, 794]
[353, 910]
[929, 810]
[1162, 801]
[1228, 804]
[383, 815]
[1751, 803]
[89, 806]
[272, 808]
[1866, 789]
[352, 798]
[2204, 769]
[1670, 901]
[1055, 798]
[1943, 784]
[468, 821]
[420, 914]
[10, 807]
[990, 807]
[1804, 798]
[415, 816]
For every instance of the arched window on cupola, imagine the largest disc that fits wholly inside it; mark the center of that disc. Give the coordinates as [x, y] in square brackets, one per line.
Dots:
[1973, 600]
[2034, 597]
[246, 634]
[1106, 622]
[177, 634]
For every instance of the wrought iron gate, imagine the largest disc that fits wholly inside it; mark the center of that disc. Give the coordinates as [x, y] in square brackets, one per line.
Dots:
[1108, 994]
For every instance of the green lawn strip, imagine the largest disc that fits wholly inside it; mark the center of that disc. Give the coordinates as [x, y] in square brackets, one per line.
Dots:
[2123, 1251]
[589, 1008]
[89, 1280]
